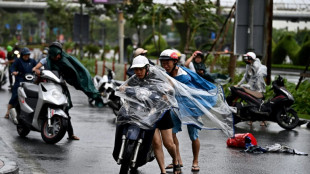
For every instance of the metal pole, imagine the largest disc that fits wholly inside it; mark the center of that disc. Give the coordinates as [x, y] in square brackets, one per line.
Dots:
[251, 26]
[269, 40]
[81, 30]
[121, 36]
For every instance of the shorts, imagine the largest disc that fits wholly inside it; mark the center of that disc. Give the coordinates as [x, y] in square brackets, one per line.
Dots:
[193, 131]
[165, 122]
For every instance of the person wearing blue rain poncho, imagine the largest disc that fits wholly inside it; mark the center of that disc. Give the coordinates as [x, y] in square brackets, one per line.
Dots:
[201, 105]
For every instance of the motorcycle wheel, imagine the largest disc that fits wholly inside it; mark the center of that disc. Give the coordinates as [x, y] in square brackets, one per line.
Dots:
[287, 119]
[56, 132]
[127, 156]
[22, 130]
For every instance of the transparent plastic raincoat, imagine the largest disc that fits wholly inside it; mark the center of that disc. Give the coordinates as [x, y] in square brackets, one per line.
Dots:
[202, 104]
[254, 76]
[146, 100]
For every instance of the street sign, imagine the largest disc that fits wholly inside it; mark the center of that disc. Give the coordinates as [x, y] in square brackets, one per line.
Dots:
[81, 30]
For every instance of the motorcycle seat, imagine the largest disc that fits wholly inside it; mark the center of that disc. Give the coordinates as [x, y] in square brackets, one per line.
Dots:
[255, 94]
[31, 90]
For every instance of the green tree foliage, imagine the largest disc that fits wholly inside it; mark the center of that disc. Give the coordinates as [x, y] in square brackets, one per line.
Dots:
[56, 16]
[295, 45]
[149, 45]
[134, 16]
[286, 46]
[195, 14]
[28, 21]
[303, 56]
[156, 15]
[92, 49]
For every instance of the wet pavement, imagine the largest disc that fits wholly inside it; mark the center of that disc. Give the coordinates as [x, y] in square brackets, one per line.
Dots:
[93, 153]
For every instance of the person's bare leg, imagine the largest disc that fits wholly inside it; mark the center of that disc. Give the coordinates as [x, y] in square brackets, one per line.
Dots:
[170, 146]
[8, 111]
[195, 148]
[158, 151]
[177, 145]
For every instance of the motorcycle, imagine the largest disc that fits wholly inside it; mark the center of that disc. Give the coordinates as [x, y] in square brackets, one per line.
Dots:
[107, 86]
[3, 68]
[41, 107]
[132, 147]
[277, 109]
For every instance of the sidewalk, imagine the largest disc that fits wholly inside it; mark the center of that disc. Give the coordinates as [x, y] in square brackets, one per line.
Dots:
[8, 166]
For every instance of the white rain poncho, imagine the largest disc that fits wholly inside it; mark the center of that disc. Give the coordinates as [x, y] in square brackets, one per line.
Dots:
[254, 76]
[202, 104]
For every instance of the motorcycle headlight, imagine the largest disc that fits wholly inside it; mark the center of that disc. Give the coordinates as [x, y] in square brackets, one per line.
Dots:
[56, 94]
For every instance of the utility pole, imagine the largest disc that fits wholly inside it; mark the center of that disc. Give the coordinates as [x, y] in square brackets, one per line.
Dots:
[81, 31]
[269, 39]
[121, 36]
[251, 27]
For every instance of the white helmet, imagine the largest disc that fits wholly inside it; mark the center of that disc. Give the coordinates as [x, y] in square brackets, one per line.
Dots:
[168, 54]
[250, 55]
[140, 62]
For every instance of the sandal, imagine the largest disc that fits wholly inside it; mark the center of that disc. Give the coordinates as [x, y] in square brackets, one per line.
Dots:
[195, 168]
[6, 116]
[176, 168]
[73, 137]
[170, 166]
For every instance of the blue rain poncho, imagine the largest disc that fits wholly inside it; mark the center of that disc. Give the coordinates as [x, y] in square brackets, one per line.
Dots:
[202, 103]
[199, 103]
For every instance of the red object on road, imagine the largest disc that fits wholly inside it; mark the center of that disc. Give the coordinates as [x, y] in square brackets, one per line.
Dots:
[239, 140]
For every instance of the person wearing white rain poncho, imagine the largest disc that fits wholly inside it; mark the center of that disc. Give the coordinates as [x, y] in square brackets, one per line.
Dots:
[201, 105]
[253, 81]
[148, 97]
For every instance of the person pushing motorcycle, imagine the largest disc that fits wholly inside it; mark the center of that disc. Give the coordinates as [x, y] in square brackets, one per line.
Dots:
[73, 72]
[161, 95]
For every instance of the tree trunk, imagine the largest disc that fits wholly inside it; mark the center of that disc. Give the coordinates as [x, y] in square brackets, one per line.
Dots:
[188, 32]
[153, 31]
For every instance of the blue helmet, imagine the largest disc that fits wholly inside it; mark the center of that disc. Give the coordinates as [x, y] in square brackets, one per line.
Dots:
[25, 51]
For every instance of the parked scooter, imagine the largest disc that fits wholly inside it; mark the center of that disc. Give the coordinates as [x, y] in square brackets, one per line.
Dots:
[3, 70]
[277, 109]
[107, 86]
[42, 107]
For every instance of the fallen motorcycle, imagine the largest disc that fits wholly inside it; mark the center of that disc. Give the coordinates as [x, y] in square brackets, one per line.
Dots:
[277, 109]
[107, 86]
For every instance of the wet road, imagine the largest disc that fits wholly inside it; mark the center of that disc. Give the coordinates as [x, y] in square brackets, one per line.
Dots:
[92, 154]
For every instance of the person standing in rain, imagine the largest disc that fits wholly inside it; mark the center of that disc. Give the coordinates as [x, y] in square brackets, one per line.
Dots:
[196, 98]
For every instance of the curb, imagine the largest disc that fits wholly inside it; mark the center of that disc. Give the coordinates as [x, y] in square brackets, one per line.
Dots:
[8, 166]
